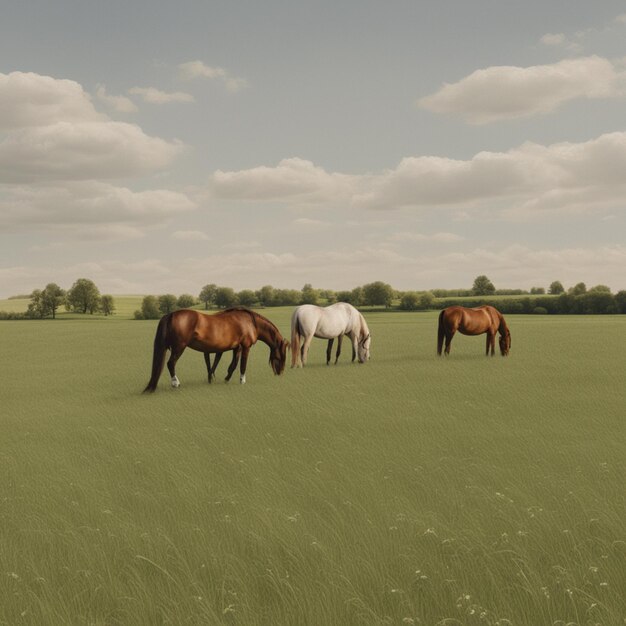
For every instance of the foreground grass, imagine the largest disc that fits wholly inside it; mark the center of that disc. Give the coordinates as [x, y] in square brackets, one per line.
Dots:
[409, 490]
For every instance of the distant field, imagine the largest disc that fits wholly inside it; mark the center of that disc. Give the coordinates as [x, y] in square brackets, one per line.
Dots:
[409, 490]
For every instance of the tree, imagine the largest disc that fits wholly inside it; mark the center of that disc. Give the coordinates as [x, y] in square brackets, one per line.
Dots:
[285, 297]
[600, 289]
[356, 296]
[225, 297]
[167, 303]
[377, 293]
[537, 291]
[265, 295]
[52, 297]
[309, 295]
[246, 297]
[426, 301]
[620, 301]
[556, 288]
[329, 295]
[35, 306]
[107, 305]
[578, 289]
[150, 308]
[409, 301]
[483, 286]
[185, 301]
[207, 295]
[83, 296]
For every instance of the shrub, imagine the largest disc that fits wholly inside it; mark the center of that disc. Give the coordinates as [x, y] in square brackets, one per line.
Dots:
[540, 310]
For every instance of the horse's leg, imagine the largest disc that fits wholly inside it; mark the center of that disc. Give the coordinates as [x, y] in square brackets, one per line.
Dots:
[488, 343]
[244, 362]
[176, 351]
[493, 343]
[216, 360]
[207, 360]
[233, 364]
[449, 336]
[329, 349]
[339, 342]
[305, 349]
[355, 341]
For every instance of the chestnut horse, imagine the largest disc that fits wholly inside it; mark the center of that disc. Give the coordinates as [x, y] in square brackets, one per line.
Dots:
[476, 321]
[236, 329]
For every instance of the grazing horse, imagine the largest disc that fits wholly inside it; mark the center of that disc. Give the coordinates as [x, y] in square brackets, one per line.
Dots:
[482, 319]
[236, 329]
[331, 322]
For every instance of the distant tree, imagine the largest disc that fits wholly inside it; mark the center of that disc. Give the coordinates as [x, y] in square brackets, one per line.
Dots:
[483, 286]
[578, 290]
[426, 301]
[52, 297]
[150, 308]
[377, 293]
[207, 295]
[409, 301]
[285, 297]
[328, 295]
[600, 289]
[343, 296]
[556, 288]
[167, 303]
[185, 301]
[357, 297]
[620, 301]
[537, 291]
[83, 296]
[246, 297]
[265, 295]
[107, 305]
[309, 295]
[35, 306]
[225, 297]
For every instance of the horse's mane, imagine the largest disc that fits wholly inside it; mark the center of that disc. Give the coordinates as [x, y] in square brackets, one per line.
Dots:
[253, 314]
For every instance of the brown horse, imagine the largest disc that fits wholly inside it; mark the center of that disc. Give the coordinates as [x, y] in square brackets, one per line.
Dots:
[482, 319]
[236, 329]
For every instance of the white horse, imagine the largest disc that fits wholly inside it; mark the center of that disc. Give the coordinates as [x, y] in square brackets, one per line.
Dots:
[331, 322]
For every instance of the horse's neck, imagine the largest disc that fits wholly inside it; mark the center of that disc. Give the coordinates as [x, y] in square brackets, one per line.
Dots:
[266, 331]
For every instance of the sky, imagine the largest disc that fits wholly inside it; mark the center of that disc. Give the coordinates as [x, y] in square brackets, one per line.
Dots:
[155, 147]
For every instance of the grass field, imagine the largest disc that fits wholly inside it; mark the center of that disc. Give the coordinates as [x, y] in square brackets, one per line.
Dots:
[409, 490]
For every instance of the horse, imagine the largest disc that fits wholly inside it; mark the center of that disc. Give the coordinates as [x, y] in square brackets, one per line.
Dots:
[476, 321]
[329, 322]
[236, 329]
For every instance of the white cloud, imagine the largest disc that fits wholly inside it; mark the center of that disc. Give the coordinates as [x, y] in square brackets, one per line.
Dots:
[28, 99]
[155, 96]
[420, 237]
[87, 207]
[197, 69]
[54, 132]
[531, 178]
[121, 104]
[621, 19]
[190, 235]
[508, 92]
[553, 39]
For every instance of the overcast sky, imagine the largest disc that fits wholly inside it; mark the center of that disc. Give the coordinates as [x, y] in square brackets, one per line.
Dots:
[157, 146]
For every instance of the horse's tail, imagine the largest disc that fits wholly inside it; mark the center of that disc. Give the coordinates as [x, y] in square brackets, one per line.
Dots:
[295, 339]
[440, 333]
[158, 355]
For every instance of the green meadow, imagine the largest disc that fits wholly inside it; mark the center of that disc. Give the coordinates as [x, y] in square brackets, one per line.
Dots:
[409, 490]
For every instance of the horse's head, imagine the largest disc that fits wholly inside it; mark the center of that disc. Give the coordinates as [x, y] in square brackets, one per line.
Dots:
[364, 344]
[505, 343]
[278, 355]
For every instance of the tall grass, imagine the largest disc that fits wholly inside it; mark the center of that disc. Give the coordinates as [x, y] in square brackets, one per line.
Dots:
[410, 490]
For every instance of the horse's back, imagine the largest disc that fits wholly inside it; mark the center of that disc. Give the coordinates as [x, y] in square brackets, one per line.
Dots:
[326, 322]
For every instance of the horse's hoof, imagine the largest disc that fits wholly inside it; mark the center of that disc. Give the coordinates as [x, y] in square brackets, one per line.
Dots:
[175, 382]
[242, 380]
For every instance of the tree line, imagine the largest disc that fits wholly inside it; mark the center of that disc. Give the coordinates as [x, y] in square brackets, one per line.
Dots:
[84, 297]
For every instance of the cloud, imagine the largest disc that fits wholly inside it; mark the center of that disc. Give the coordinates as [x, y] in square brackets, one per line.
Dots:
[87, 207]
[197, 69]
[508, 266]
[28, 99]
[524, 181]
[121, 104]
[155, 96]
[190, 235]
[419, 237]
[621, 19]
[507, 92]
[53, 132]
